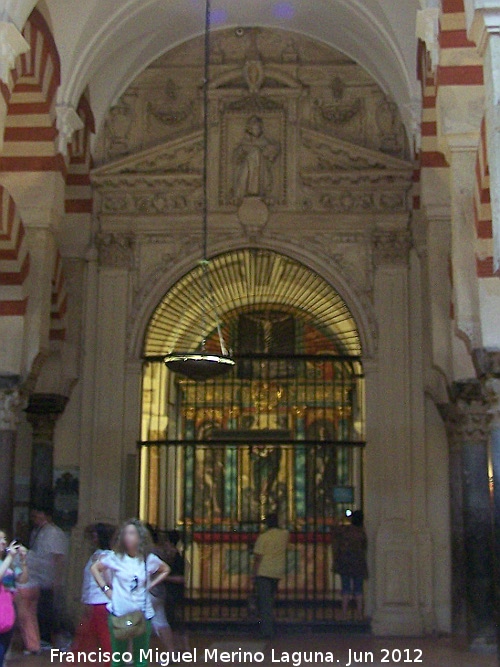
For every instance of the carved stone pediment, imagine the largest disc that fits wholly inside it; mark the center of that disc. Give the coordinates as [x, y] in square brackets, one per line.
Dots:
[325, 154]
[340, 176]
[180, 156]
[160, 180]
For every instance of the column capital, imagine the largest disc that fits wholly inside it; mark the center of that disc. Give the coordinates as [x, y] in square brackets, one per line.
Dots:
[10, 403]
[12, 45]
[43, 411]
[467, 416]
[116, 250]
[391, 246]
[68, 122]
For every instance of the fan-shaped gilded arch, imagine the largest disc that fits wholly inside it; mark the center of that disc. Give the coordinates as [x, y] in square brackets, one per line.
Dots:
[242, 280]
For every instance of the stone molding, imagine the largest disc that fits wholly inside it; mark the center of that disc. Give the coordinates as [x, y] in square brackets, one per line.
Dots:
[12, 45]
[116, 249]
[67, 122]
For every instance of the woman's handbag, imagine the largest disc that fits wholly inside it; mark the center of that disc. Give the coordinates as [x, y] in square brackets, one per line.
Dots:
[7, 612]
[129, 626]
[133, 624]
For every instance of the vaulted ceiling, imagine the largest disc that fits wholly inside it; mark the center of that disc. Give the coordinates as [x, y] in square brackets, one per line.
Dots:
[105, 44]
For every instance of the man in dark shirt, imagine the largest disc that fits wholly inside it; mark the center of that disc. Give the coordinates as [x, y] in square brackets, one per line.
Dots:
[174, 584]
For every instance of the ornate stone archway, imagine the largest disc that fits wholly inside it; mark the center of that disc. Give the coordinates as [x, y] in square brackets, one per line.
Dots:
[308, 159]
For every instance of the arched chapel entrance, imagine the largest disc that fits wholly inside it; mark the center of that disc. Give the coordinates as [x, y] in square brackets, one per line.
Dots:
[284, 433]
[319, 268]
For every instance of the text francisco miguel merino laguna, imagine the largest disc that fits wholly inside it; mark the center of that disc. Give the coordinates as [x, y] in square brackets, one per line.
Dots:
[217, 656]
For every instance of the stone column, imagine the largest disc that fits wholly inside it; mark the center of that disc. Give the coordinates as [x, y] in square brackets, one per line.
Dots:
[467, 420]
[9, 408]
[487, 364]
[43, 412]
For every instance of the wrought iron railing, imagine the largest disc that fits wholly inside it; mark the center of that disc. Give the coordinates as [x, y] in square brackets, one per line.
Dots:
[278, 435]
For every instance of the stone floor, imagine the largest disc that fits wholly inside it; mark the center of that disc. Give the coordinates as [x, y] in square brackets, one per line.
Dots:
[300, 650]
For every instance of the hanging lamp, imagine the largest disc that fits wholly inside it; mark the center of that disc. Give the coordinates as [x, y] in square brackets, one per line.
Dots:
[202, 365]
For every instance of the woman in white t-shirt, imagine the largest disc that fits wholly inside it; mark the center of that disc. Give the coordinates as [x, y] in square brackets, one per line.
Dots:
[133, 571]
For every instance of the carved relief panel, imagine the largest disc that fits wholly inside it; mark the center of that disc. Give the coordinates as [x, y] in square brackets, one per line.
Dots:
[296, 129]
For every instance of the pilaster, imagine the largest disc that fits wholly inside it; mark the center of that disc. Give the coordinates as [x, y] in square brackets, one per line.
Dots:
[115, 253]
[462, 158]
[396, 550]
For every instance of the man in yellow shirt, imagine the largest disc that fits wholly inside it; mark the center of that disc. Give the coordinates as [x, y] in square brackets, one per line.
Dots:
[269, 567]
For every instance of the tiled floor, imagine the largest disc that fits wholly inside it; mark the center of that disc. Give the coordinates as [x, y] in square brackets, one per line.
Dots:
[311, 649]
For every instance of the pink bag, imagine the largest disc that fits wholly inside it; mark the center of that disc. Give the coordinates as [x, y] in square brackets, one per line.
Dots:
[7, 612]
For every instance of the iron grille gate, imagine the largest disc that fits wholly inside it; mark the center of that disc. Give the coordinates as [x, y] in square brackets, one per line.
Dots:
[281, 434]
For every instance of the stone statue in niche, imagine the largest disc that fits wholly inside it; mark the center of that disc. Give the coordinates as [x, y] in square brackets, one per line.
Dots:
[254, 159]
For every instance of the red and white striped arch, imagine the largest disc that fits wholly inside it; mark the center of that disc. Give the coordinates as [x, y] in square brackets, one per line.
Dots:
[30, 132]
[14, 258]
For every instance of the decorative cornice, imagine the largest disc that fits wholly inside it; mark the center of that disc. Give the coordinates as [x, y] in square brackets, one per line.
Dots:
[12, 45]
